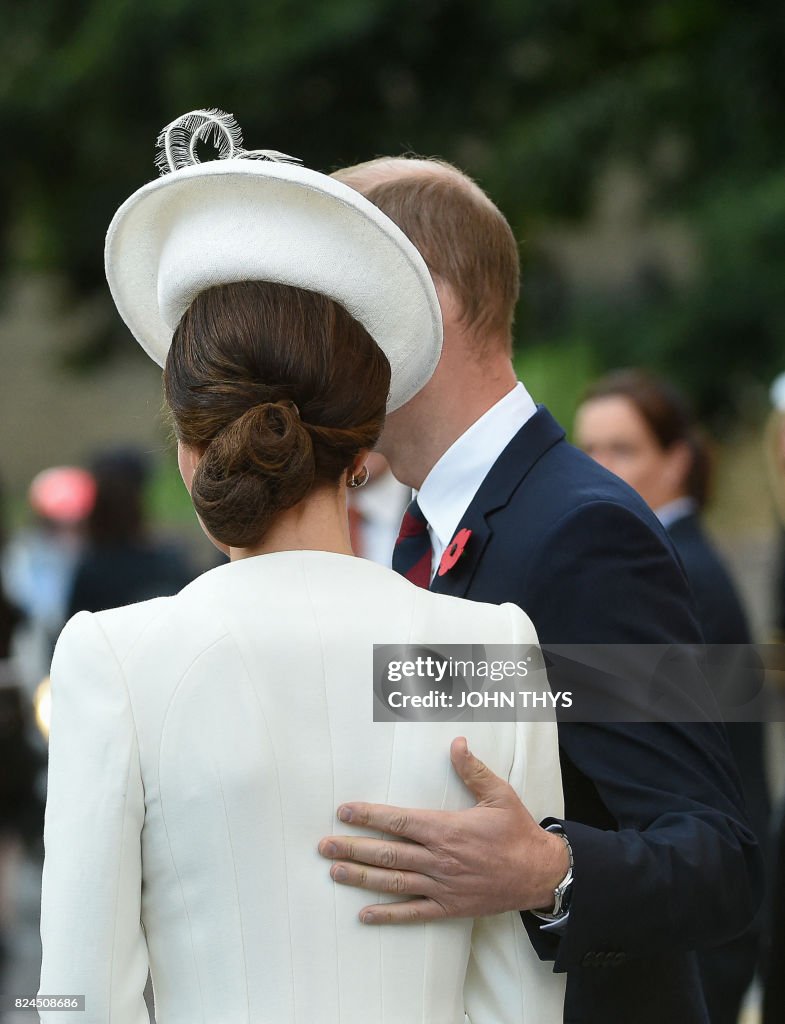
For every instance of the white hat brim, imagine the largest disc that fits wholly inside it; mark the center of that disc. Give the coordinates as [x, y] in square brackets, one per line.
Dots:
[252, 220]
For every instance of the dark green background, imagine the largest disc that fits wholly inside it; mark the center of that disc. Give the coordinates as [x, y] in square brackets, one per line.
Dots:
[535, 99]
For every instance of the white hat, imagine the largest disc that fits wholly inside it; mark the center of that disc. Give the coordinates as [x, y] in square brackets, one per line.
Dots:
[252, 216]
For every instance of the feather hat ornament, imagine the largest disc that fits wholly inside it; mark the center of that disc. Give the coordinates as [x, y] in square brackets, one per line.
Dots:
[177, 142]
[260, 215]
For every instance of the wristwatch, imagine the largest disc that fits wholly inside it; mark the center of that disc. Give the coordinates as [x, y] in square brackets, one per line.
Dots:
[562, 894]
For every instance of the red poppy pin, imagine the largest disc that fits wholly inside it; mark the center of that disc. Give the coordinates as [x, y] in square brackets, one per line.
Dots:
[453, 551]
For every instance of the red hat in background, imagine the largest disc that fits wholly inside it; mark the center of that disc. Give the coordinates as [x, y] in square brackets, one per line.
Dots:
[64, 494]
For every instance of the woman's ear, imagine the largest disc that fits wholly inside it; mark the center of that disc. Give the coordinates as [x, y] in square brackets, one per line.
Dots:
[187, 461]
[359, 461]
[678, 465]
[358, 473]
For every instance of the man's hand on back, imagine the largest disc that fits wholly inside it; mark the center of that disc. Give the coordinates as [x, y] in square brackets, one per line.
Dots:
[488, 859]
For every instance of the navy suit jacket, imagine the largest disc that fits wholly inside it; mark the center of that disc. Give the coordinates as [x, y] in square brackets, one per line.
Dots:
[665, 861]
[723, 621]
[717, 603]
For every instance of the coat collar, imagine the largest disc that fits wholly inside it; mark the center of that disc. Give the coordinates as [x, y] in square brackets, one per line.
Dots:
[535, 437]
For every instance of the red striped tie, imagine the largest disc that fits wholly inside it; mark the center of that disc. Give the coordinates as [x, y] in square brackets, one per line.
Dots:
[413, 553]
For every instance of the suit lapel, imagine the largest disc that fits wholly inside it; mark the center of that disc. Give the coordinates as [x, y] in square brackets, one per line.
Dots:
[535, 437]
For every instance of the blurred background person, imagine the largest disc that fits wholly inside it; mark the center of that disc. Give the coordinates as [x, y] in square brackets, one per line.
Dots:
[774, 452]
[774, 971]
[376, 510]
[40, 559]
[642, 429]
[21, 808]
[10, 615]
[121, 562]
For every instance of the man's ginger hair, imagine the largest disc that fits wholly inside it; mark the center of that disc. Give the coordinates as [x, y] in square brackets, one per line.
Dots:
[463, 237]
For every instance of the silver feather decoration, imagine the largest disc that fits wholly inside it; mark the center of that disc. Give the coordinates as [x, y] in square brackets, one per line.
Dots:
[270, 154]
[176, 144]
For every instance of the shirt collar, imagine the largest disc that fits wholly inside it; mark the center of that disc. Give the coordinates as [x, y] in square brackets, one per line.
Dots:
[680, 508]
[452, 483]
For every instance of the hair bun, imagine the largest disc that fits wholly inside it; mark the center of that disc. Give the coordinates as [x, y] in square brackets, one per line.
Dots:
[269, 441]
[240, 358]
[269, 435]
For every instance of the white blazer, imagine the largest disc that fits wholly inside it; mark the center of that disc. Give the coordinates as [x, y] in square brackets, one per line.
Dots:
[200, 745]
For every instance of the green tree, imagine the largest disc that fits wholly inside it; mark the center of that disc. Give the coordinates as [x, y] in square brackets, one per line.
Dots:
[536, 99]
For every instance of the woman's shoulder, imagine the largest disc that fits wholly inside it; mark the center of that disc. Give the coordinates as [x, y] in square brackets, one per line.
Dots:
[388, 589]
[478, 621]
[276, 585]
[119, 627]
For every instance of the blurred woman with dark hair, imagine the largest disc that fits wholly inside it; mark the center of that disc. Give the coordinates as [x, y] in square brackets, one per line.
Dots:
[121, 562]
[641, 428]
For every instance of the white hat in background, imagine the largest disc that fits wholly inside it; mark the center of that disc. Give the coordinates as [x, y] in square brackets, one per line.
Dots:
[258, 216]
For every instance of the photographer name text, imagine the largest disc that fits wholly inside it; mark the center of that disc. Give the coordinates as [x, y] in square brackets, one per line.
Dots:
[481, 699]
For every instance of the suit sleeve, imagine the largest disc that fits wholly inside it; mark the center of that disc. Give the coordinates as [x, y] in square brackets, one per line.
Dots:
[674, 865]
[91, 932]
[506, 983]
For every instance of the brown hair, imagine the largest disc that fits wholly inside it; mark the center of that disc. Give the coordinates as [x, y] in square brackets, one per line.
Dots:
[118, 514]
[280, 388]
[462, 236]
[669, 417]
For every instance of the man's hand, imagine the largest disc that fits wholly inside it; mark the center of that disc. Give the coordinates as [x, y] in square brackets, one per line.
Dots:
[488, 859]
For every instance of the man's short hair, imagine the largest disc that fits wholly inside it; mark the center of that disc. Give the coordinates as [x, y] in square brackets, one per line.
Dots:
[463, 237]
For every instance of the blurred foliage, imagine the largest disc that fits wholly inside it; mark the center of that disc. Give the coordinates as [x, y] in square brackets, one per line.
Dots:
[167, 501]
[536, 98]
[557, 375]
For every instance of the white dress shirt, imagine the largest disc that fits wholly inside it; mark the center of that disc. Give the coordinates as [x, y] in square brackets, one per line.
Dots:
[451, 485]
